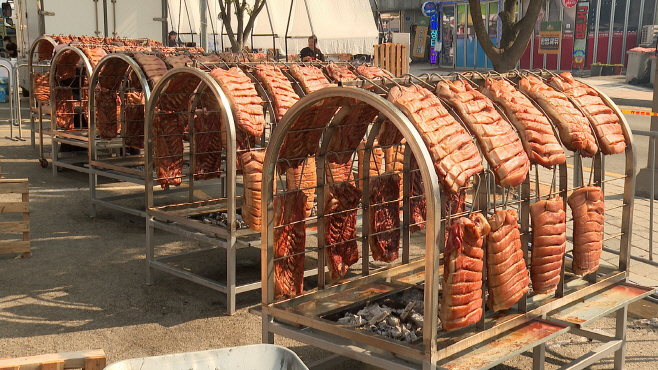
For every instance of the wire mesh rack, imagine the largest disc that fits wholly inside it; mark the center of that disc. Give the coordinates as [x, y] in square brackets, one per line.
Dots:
[39, 58]
[69, 75]
[194, 143]
[403, 259]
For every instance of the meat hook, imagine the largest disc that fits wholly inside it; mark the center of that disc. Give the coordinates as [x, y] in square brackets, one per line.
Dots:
[410, 76]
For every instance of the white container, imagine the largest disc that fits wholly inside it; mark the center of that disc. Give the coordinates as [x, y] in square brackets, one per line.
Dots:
[637, 65]
[253, 357]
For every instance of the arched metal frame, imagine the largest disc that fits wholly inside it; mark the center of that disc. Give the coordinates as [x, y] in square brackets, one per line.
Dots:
[431, 188]
[169, 219]
[118, 168]
[37, 111]
[71, 137]
[30, 62]
[448, 347]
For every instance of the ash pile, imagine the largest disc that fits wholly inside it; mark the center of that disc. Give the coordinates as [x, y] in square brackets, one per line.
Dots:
[220, 219]
[402, 324]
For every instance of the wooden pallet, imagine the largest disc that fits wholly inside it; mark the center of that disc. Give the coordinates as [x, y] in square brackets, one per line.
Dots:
[392, 57]
[86, 360]
[16, 186]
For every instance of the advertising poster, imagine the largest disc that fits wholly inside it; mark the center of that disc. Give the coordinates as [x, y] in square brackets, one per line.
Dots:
[580, 35]
[420, 39]
[550, 35]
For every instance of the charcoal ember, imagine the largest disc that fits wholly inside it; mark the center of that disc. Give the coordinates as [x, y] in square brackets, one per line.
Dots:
[352, 320]
[379, 318]
[417, 319]
[393, 321]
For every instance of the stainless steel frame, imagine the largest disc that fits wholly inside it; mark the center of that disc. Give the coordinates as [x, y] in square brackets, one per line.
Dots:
[302, 317]
[37, 109]
[76, 137]
[175, 218]
[119, 167]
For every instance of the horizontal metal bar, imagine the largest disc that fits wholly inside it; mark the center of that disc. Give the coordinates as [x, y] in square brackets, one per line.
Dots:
[595, 355]
[644, 133]
[341, 346]
[212, 284]
[613, 237]
[591, 335]
[186, 255]
[644, 260]
[119, 208]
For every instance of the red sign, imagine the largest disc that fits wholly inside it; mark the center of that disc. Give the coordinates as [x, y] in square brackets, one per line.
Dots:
[569, 3]
[580, 36]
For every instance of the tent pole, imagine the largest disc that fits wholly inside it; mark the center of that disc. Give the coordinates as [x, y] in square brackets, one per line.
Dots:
[292, 2]
[308, 14]
[203, 4]
[269, 17]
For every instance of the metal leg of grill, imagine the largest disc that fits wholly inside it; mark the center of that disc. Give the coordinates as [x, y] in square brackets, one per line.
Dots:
[93, 181]
[150, 234]
[620, 334]
[53, 148]
[230, 278]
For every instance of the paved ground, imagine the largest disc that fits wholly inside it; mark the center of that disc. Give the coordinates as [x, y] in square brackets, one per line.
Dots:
[84, 286]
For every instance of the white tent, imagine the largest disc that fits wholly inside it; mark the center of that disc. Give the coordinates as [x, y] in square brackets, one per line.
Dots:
[342, 26]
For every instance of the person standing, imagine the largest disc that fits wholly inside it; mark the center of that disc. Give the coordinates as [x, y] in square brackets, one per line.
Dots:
[171, 42]
[312, 52]
[10, 48]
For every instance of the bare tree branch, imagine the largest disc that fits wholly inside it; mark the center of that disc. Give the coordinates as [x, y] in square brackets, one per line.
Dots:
[258, 6]
[481, 31]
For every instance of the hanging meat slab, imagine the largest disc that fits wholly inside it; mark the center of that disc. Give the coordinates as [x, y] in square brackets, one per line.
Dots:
[311, 78]
[572, 125]
[418, 202]
[375, 164]
[371, 72]
[112, 73]
[152, 66]
[94, 55]
[339, 72]
[507, 275]
[304, 135]
[67, 65]
[461, 301]
[42, 86]
[64, 114]
[176, 61]
[252, 171]
[604, 120]
[168, 148]
[108, 112]
[45, 50]
[453, 152]
[278, 87]
[241, 92]
[289, 244]
[340, 207]
[207, 145]
[350, 125]
[587, 207]
[304, 177]
[134, 119]
[498, 141]
[549, 241]
[385, 218]
[539, 140]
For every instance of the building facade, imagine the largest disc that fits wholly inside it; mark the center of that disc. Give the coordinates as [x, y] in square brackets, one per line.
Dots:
[594, 31]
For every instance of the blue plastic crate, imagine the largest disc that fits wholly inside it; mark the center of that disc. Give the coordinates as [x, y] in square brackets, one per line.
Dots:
[3, 96]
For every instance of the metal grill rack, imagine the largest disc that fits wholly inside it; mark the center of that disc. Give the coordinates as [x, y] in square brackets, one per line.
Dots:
[310, 317]
[116, 153]
[39, 59]
[70, 71]
[184, 216]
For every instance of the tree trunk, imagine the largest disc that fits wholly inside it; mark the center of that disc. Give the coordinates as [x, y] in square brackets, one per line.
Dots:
[514, 38]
